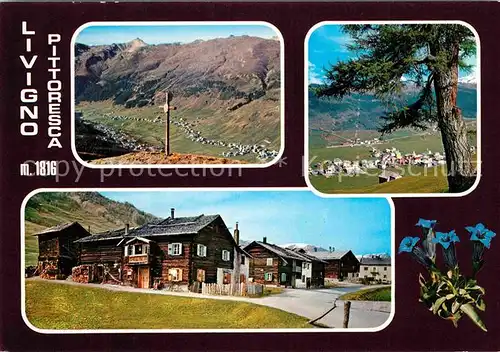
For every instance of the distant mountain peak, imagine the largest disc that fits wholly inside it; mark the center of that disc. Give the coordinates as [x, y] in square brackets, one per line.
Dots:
[469, 79]
[135, 44]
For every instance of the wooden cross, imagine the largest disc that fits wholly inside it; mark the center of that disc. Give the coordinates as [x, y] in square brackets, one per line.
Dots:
[166, 109]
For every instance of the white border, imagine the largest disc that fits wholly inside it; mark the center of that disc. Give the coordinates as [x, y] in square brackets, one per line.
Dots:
[306, 112]
[104, 331]
[180, 23]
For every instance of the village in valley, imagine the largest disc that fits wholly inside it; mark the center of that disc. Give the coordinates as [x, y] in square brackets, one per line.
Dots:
[381, 159]
[198, 256]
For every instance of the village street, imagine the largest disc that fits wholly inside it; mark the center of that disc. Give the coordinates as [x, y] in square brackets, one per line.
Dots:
[307, 303]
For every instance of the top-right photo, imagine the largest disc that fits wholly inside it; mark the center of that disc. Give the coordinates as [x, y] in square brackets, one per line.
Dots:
[392, 108]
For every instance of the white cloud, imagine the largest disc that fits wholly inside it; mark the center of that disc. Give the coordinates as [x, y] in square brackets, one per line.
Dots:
[314, 76]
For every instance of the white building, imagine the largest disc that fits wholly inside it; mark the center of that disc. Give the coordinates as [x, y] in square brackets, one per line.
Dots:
[376, 268]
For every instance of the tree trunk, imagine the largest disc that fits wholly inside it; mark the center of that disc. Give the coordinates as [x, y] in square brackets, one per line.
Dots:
[461, 171]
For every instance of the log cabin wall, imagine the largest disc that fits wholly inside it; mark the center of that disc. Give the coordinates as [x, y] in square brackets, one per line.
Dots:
[349, 265]
[318, 274]
[103, 253]
[167, 262]
[287, 269]
[332, 269]
[259, 267]
[67, 245]
[48, 247]
[216, 238]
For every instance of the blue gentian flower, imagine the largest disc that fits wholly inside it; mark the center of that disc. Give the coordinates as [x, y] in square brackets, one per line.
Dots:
[426, 224]
[446, 238]
[407, 244]
[481, 234]
[427, 230]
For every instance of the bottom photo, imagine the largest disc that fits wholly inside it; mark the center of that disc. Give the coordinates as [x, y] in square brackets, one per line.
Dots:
[206, 260]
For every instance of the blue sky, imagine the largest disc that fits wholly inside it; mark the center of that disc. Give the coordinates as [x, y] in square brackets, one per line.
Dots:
[327, 46]
[160, 34]
[360, 224]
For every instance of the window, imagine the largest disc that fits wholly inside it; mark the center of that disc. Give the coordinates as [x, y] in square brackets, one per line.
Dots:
[242, 260]
[374, 269]
[175, 248]
[303, 278]
[385, 268]
[268, 276]
[366, 268]
[226, 256]
[385, 276]
[283, 277]
[138, 249]
[304, 266]
[175, 274]
[201, 250]
[269, 261]
[200, 275]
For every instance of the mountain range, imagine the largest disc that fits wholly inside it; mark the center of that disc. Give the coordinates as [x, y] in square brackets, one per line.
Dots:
[342, 114]
[225, 88]
[137, 74]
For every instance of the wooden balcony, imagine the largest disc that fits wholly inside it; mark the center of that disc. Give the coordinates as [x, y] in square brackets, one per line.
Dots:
[139, 259]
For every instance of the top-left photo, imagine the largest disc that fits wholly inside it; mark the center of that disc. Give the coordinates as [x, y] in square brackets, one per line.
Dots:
[177, 94]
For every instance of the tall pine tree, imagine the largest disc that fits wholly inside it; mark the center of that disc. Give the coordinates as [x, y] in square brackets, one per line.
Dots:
[429, 56]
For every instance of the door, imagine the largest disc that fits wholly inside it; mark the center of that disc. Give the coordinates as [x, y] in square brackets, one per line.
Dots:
[143, 280]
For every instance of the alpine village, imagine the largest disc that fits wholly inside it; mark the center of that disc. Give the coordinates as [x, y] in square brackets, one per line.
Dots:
[185, 253]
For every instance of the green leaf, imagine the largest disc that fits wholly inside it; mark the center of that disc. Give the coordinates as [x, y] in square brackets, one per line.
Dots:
[449, 296]
[455, 306]
[481, 305]
[469, 310]
[438, 304]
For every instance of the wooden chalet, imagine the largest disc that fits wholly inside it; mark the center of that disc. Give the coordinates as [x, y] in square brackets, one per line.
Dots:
[57, 250]
[176, 250]
[340, 265]
[272, 264]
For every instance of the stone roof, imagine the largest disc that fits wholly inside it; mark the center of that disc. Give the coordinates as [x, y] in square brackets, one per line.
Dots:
[57, 228]
[327, 255]
[166, 227]
[283, 253]
[103, 236]
[389, 174]
[175, 226]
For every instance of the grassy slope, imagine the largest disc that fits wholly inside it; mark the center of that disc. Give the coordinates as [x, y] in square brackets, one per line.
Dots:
[57, 306]
[430, 181]
[370, 294]
[419, 181]
[96, 216]
[154, 133]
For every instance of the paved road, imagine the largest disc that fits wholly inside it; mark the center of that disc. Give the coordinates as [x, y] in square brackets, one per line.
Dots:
[307, 303]
[313, 303]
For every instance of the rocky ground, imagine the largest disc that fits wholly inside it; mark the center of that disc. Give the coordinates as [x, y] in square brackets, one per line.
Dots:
[150, 158]
[95, 140]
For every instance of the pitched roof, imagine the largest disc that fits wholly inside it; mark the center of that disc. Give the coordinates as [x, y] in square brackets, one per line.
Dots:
[283, 253]
[57, 228]
[327, 255]
[376, 260]
[389, 174]
[103, 236]
[165, 227]
[175, 226]
[312, 258]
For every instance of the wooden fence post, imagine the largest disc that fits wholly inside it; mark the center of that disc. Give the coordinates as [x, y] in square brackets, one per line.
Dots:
[347, 308]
